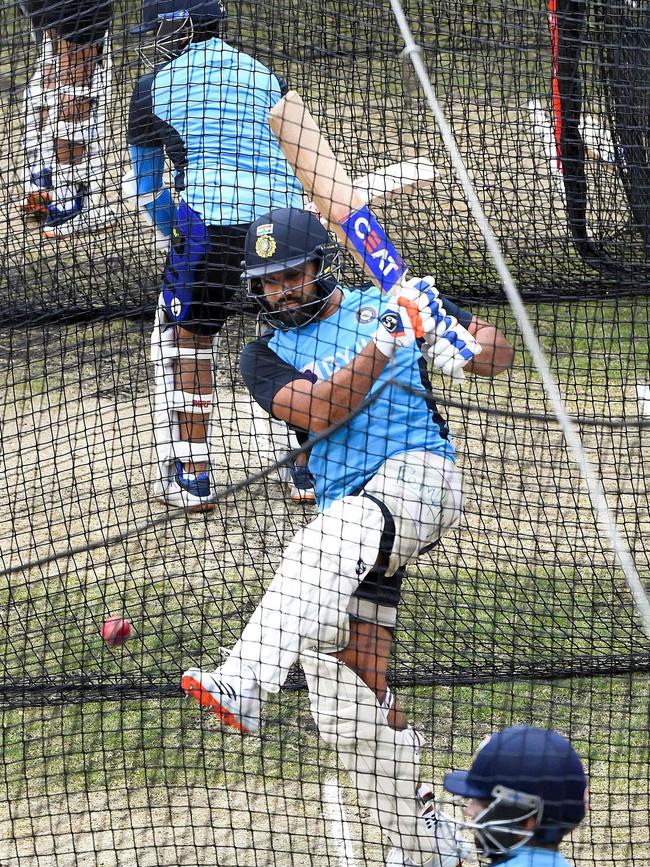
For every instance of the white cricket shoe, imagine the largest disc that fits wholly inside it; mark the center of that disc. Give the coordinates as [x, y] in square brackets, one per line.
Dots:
[83, 218]
[192, 493]
[235, 699]
[174, 496]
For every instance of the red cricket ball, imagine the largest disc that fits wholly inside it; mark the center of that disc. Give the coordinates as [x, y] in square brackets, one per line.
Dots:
[116, 630]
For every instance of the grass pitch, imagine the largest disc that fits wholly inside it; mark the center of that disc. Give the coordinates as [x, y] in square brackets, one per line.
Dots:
[104, 761]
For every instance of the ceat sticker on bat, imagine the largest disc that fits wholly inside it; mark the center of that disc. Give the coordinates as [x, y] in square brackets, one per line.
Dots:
[379, 255]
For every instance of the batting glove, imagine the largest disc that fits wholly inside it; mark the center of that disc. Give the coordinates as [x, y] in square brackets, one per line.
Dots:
[398, 326]
[412, 314]
[445, 342]
[450, 348]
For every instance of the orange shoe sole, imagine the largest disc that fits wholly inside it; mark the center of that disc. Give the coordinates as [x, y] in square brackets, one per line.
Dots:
[194, 690]
[194, 510]
[304, 501]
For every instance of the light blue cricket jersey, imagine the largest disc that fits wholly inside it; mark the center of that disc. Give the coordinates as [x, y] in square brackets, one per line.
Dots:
[531, 856]
[218, 100]
[396, 421]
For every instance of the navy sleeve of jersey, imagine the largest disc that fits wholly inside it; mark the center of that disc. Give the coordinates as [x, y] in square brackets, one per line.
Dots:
[265, 373]
[145, 129]
[284, 87]
[463, 316]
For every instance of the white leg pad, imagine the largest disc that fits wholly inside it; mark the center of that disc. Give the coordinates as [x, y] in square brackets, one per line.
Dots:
[383, 764]
[93, 168]
[306, 603]
[78, 132]
[34, 106]
[168, 401]
[38, 142]
[89, 131]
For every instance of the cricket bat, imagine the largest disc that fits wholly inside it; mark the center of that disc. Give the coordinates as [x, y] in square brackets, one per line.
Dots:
[339, 201]
[397, 178]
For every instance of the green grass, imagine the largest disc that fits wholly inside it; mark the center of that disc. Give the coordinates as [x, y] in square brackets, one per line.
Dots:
[100, 744]
[457, 614]
[461, 615]
[449, 621]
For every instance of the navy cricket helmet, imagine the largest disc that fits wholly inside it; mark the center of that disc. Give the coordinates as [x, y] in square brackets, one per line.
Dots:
[168, 26]
[284, 239]
[202, 12]
[522, 771]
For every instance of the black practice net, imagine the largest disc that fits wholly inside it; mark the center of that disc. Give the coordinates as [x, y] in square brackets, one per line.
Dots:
[519, 616]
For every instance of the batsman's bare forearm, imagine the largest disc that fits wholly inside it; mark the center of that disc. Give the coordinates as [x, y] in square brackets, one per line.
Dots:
[497, 354]
[316, 406]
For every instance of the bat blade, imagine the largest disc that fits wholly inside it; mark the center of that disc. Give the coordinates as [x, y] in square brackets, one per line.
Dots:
[324, 179]
[395, 179]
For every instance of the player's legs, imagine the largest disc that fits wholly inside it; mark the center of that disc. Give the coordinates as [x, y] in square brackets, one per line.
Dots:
[368, 654]
[183, 403]
[423, 493]
[200, 283]
[380, 752]
[305, 604]
[38, 152]
[65, 105]
[76, 114]
[195, 375]
[409, 503]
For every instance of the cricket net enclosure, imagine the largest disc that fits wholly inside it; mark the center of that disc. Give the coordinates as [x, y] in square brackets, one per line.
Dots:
[521, 615]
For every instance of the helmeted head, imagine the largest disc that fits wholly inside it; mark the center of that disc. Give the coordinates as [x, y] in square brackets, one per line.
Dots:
[286, 240]
[168, 27]
[532, 786]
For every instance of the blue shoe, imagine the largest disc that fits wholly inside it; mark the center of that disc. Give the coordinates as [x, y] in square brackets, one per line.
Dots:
[302, 487]
[79, 218]
[195, 484]
[57, 216]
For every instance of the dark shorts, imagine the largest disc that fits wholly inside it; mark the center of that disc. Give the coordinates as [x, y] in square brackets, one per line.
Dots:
[82, 22]
[201, 283]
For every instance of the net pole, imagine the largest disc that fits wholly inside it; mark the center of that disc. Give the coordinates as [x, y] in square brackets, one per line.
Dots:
[603, 514]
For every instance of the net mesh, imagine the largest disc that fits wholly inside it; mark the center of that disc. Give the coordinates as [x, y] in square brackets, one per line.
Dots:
[519, 616]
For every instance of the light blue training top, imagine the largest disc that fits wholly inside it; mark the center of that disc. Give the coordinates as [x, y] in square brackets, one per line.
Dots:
[397, 421]
[531, 856]
[218, 99]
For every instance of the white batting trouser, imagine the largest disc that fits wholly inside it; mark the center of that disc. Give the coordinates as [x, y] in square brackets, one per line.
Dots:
[383, 764]
[41, 103]
[306, 604]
